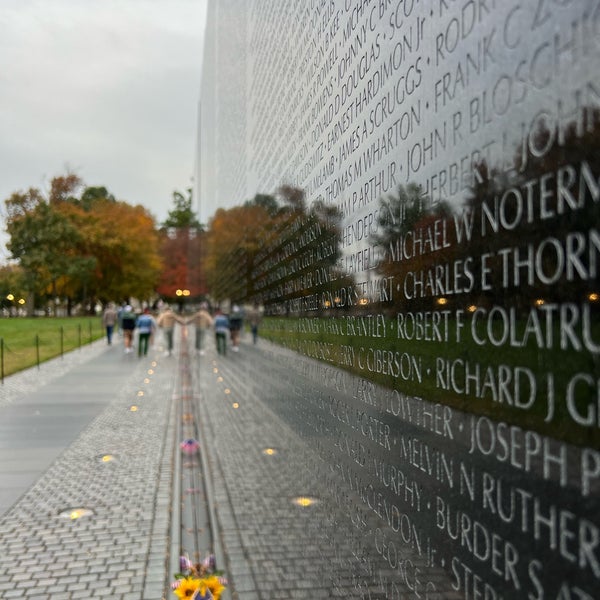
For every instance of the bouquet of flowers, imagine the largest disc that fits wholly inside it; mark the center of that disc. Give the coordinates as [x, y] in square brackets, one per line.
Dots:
[199, 581]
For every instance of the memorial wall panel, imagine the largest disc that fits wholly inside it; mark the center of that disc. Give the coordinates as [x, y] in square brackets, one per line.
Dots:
[429, 280]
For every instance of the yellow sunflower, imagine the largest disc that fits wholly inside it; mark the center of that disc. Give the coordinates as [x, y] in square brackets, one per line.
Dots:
[215, 586]
[187, 587]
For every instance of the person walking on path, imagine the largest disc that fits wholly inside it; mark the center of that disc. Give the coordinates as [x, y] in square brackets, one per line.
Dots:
[109, 319]
[128, 326]
[221, 324]
[254, 320]
[146, 326]
[202, 321]
[166, 321]
[236, 320]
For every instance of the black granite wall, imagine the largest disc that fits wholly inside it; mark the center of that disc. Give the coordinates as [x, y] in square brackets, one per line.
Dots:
[434, 270]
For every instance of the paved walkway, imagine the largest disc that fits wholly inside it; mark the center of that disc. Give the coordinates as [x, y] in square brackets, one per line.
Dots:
[56, 425]
[260, 454]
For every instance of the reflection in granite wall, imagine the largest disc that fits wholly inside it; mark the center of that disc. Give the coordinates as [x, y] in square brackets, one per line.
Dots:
[422, 188]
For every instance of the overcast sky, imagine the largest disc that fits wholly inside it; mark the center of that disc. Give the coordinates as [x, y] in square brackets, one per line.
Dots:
[107, 89]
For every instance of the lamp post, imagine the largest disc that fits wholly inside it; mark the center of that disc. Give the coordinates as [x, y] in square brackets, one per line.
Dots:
[11, 299]
[182, 294]
[13, 310]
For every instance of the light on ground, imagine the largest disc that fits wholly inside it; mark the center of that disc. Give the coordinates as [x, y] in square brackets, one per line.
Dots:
[75, 513]
[304, 501]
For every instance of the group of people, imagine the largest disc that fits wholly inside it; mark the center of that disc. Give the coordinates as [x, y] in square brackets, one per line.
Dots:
[127, 321]
[225, 326]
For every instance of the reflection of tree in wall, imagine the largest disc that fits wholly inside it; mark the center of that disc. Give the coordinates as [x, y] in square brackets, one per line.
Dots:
[269, 249]
[405, 217]
[541, 224]
[522, 236]
[301, 258]
[235, 237]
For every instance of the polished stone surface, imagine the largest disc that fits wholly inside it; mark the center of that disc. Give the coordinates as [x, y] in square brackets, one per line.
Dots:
[429, 272]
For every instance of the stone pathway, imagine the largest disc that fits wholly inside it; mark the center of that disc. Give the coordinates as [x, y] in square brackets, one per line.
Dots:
[277, 507]
[120, 550]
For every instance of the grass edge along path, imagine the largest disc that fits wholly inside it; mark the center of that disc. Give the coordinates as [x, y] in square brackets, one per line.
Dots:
[29, 341]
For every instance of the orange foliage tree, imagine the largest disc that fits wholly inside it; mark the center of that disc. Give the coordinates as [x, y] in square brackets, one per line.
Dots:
[234, 240]
[83, 245]
[182, 248]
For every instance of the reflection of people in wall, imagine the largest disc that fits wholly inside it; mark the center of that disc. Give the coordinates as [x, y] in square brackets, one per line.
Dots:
[202, 321]
[254, 320]
[166, 321]
[221, 324]
[235, 325]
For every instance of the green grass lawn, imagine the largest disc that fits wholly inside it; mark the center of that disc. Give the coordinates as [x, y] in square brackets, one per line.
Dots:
[25, 342]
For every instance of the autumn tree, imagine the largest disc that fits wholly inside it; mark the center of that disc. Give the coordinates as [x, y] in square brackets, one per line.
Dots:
[82, 244]
[64, 188]
[182, 214]
[93, 194]
[273, 249]
[266, 201]
[182, 248]
[45, 243]
[234, 239]
[125, 242]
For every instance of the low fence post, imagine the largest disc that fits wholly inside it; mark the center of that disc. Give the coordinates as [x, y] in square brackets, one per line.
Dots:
[37, 350]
